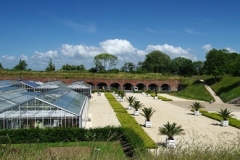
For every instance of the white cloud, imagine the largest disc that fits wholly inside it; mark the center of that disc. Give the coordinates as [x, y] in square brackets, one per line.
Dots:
[172, 51]
[83, 54]
[79, 50]
[48, 54]
[207, 47]
[231, 50]
[117, 46]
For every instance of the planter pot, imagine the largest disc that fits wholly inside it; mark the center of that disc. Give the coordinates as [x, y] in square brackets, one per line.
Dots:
[156, 98]
[196, 113]
[136, 113]
[148, 95]
[170, 143]
[224, 123]
[148, 124]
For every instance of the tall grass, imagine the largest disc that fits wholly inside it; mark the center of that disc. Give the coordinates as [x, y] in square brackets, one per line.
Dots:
[186, 150]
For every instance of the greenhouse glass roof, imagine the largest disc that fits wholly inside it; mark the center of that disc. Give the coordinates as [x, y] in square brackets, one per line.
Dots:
[6, 83]
[13, 96]
[52, 85]
[64, 98]
[79, 84]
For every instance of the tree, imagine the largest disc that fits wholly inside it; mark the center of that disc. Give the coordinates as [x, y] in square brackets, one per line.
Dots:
[128, 67]
[1, 67]
[22, 65]
[215, 63]
[105, 61]
[73, 67]
[198, 65]
[156, 62]
[182, 66]
[51, 66]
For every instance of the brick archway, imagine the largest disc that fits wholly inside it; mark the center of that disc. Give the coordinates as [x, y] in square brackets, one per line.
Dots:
[173, 84]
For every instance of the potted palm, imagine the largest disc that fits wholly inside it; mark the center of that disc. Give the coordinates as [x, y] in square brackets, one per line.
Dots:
[225, 114]
[122, 94]
[137, 105]
[130, 100]
[171, 130]
[156, 94]
[196, 106]
[147, 113]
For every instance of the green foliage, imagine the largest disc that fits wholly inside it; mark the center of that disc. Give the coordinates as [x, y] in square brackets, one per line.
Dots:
[170, 130]
[130, 100]
[60, 135]
[117, 107]
[137, 105]
[196, 106]
[182, 66]
[68, 67]
[51, 66]
[105, 61]
[195, 90]
[22, 65]
[164, 98]
[227, 88]
[232, 121]
[224, 113]
[156, 62]
[147, 113]
[134, 133]
[215, 63]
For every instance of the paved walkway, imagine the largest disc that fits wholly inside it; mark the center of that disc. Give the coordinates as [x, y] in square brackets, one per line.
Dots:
[215, 96]
[198, 129]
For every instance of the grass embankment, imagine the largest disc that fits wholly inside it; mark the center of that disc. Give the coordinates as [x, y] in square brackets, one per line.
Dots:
[194, 90]
[81, 75]
[227, 87]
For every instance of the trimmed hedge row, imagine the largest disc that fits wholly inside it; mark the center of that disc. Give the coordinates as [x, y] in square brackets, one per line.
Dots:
[47, 135]
[134, 133]
[164, 98]
[232, 121]
[117, 107]
[161, 97]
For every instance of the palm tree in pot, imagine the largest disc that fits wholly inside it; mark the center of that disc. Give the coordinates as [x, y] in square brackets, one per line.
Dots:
[148, 113]
[137, 105]
[122, 94]
[156, 94]
[130, 100]
[196, 106]
[225, 114]
[171, 130]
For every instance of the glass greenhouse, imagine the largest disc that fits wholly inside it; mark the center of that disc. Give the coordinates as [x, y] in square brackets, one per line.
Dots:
[61, 107]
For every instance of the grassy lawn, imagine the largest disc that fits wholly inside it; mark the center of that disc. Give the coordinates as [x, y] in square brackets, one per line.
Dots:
[64, 150]
[227, 88]
[195, 90]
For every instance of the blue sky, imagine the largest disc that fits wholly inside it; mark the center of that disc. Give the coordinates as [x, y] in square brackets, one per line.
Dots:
[75, 31]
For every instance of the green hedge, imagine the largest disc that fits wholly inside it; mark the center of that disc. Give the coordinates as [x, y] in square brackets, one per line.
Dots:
[232, 121]
[60, 135]
[164, 98]
[134, 133]
[117, 107]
